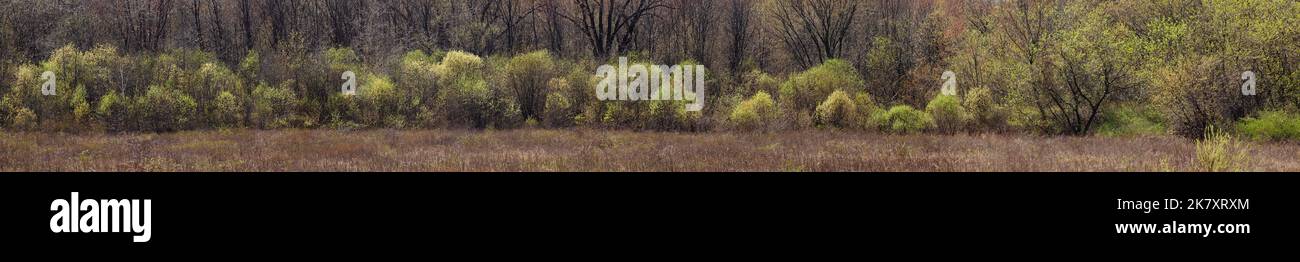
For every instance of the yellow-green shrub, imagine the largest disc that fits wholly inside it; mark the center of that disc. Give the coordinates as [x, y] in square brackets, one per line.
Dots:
[809, 88]
[228, 111]
[902, 119]
[838, 111]
[164, 109]
[272, 106]
[948, 114]
[526, 79]
[985, 113]
[1272, 125]
[756, 113]
[115, 111]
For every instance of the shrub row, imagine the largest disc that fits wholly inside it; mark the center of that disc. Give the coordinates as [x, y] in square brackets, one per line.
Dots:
[101, 89]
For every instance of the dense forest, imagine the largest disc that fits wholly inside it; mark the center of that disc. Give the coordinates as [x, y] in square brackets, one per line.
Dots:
[1068, 67]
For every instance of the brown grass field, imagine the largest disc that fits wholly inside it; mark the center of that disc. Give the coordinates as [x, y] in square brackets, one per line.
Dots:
[601, 150]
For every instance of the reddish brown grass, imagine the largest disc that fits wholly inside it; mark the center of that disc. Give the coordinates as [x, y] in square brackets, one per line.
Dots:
[600, 150]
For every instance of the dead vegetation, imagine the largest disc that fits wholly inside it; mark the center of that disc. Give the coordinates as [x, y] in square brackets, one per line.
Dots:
[603, 150]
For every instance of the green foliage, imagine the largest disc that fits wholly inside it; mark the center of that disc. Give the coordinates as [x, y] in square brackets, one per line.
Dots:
[115, 111]
[1220, 152]
[838, 111]
[756, 113]
[250, 65]
[902, 119]
[416, 76]
[756, 81]
[24, 119]
[80, 106]
[381, 103]
[164, 109]
[560, 109]
[1190, 95]
[526, 78]
[948, 114]
[1271, 125]
[272, 107]
[805, 90]
[984, 112]
[1131, 120]
[228, 111]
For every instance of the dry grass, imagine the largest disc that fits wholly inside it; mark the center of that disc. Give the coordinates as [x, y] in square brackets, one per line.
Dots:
[599, 150]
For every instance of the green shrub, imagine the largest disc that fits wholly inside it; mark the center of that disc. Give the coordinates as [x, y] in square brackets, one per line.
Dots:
[114, 110]
[526, 79]
[250, 66]
[1271, 125]
[838, 111]
[458, 65]
[755, 113]
[342, 59]
[1130, 120]
[416, 77]
[560, 110]
[807, 89]
[228, 111]
[164, 109]
[1190, 100]
[24, 119]
[948, 114]
[80, 106]
[207, 83]
[381, 103]
[902, 119]
[984, 112]
[1220, 152]
[757, 80]
[272, 107]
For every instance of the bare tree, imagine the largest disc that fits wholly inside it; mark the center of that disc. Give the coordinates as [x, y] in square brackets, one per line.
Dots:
[814, 30]
[610, 25]
[739, 25]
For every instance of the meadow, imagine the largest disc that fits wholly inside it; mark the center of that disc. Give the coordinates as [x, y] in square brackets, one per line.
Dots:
[582, 150]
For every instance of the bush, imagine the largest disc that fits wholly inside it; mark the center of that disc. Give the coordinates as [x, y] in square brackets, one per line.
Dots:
[902, 119]
[417, 78]
[1220, 152]
[1130, 120]
[80, 107]
[755, 113]
[381, 103]
[560, 110]
[1191, 96]
[228, 111]
[1271, 125]
[24, 119]
[458, 65]
[756, 81]
[114, 110]
[526, 78]
[984, 112]
[838, 111]
[272, 107]
[207, 83]
[807, 89]
[948, 114]
[164, 109]
[250, 66]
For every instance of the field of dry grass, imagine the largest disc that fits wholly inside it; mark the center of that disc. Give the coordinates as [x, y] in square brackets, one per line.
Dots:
[600, 150]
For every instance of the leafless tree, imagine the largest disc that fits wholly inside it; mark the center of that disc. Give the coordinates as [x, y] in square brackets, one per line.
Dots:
[814, 30]
[610, 25]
